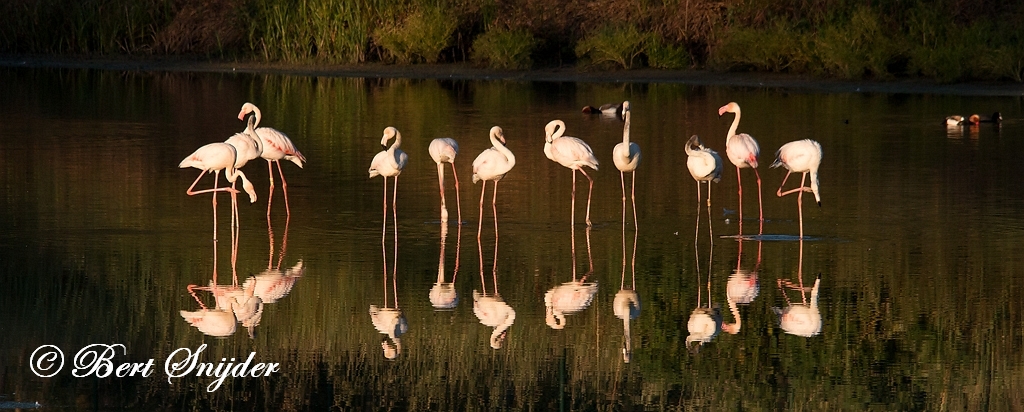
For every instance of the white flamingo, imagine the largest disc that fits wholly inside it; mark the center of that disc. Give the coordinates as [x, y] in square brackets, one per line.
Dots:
[389, 163]
[742, 150]
[494, 312]
[492, 164]
[572, 153]
[626, 156]
[801, 156]
[276, 146]
[443, 294]
[444, 150]
[705, 166]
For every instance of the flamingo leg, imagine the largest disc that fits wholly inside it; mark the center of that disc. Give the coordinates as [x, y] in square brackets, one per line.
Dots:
[270, 196]
[440, 185]
[573, 214]
[800, 208]
[458, 201]
[479, 229]
[739, 185]
[394, 211]
[632, 188]
[784, 179]
[284, 188]
[383, 236]
[711, 234]
[589, 193]
[494, 265]
[622, 179]
[760, 208]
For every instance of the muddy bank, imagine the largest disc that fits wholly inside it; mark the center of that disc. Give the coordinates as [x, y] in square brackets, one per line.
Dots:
[569, 74]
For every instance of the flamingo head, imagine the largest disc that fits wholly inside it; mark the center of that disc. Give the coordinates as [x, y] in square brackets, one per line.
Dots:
[553, 130]
[249, 108]
[498, 134]
[625, 108]
[498, 339]
[389, 133]
[732, 107]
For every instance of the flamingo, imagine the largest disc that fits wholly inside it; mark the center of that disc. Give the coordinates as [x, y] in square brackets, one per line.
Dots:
[492, 164]
[494, 312]
[444, 149]
[742, 150]
[626, 156]
[389, 163]
[212, 158]
[276, 146]
[801, 319]
[801, 156]
[572, 153]
[705, 166]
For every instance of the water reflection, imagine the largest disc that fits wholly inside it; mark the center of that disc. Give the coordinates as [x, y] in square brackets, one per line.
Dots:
[274, 283]
[626, 304]
[804, 318]
[443, 294]
[570, 297]
[488, 306]
[706, 319]
[742, 287]
[389, 320]
[233, 304]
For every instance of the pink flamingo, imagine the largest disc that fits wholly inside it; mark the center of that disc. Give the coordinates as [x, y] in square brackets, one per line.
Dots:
[492, 164]
[742, 150]
[572, 153]
[801, 156]
[276, 146]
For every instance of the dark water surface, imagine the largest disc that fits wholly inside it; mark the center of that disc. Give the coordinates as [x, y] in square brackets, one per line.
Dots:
[918, 246]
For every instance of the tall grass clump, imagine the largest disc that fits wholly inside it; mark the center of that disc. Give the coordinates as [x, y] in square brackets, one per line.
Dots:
[336, 31]
[856, 47]
[421, 36]
[504, 49]
[779, 47]
[619, 46]
[664, 55]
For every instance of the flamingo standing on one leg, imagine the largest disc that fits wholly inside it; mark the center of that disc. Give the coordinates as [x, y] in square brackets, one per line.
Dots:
[442, 150]
[276, 146]
[492, 164]
[212, 158]
[705, 166]
[742, 150]
[389, 163]
[801, 156]
[572, 153]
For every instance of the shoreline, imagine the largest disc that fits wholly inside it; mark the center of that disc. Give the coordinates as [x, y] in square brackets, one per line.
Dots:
[460, 71]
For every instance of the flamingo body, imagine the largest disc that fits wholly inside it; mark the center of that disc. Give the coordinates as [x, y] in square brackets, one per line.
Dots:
[567, 298]
[802, 319]
[801, 156]
[213, 322]
[703, 163]
[389, 162]
[215, 157]
[493, 163]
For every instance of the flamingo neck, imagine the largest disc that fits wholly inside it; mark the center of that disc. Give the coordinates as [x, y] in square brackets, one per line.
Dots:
[625, 130]
[393, 150]
[258, 115]
[503, 150]
[735, 125]
[814, 185]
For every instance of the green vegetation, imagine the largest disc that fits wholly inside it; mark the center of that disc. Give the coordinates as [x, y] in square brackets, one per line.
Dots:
[946, 40]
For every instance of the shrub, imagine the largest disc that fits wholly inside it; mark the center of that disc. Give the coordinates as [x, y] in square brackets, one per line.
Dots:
[422, 36]
[619, 46]
[857, 48]
[779, 47]
[504, 49]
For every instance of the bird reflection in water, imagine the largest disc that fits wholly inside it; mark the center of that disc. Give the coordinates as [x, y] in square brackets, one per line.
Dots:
[389, 320]
[802, 319]
[741, 288]
[275, 283]
[233, 304]
[489, 307]
[570, 297]
[626, 305]
[443, 294]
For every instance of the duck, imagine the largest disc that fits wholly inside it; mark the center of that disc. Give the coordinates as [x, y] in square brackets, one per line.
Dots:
[976, 119]
[954, 120]
[607, 109]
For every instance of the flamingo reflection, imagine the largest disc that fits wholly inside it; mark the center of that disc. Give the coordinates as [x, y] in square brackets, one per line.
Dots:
[741, 288]
[233, 305]
[706, 320]
[570, 297]
[275, 283]
[802, 319]
[626, 304]
[443, 294]
[389, 320]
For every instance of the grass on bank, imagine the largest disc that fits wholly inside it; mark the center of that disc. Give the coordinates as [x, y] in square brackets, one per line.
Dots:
[945, 40]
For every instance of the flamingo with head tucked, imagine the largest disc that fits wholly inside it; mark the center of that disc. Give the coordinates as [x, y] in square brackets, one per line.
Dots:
[444, 150]
[276, 146]
[742, 150]
[572, 153]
